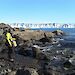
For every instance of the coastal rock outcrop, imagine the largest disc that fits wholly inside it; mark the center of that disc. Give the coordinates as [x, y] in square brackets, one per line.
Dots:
[28, 52]
[33, 34]
[58, 32]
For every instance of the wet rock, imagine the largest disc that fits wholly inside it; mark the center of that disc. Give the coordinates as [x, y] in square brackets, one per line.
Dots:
[72, 60]
[31, 71]
[41, 56]
[67, 65]
[2, 72]
[22, 72]
[26, 71]
[45, 39]
[9, 70]
[2, 64]
[25, 52]
[12, 73]
[58, 32]
[36, 50]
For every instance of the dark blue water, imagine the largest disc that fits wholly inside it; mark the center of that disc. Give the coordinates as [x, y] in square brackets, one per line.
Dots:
[67, 30]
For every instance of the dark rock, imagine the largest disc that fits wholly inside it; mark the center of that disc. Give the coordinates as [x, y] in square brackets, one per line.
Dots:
[22, 72]
[58, 32]
[31, 71]
[36, 50]
[67, 64]
[45, 39]
[12, 73]
[41, 56]
[26, 71]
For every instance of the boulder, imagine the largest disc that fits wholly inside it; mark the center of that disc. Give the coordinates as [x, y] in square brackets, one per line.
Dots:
[46, 38]
[26, 71]
[31, 71]
[58, 32]
[12, 73]
[36, 50]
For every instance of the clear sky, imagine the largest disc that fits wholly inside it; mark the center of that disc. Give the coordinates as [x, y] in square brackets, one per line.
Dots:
[34, 11]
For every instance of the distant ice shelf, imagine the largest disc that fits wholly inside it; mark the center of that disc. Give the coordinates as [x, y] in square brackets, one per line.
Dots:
[41, 25]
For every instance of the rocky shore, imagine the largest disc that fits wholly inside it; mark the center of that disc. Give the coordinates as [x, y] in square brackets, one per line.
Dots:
[37, 53]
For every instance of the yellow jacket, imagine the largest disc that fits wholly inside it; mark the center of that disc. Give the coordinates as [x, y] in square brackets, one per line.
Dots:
[10, 40]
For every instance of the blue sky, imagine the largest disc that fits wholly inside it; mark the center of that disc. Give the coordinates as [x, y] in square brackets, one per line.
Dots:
[34, 11]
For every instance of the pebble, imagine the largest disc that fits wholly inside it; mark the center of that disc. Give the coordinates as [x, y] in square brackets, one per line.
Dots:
[9, 70]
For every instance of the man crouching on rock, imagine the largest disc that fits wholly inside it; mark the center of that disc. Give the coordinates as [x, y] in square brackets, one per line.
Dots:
[10, 43]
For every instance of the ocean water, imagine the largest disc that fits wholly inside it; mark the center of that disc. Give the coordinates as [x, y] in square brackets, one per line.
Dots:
[67, 30]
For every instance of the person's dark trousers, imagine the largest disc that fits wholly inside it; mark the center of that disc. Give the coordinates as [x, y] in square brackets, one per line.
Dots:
[10, 51]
